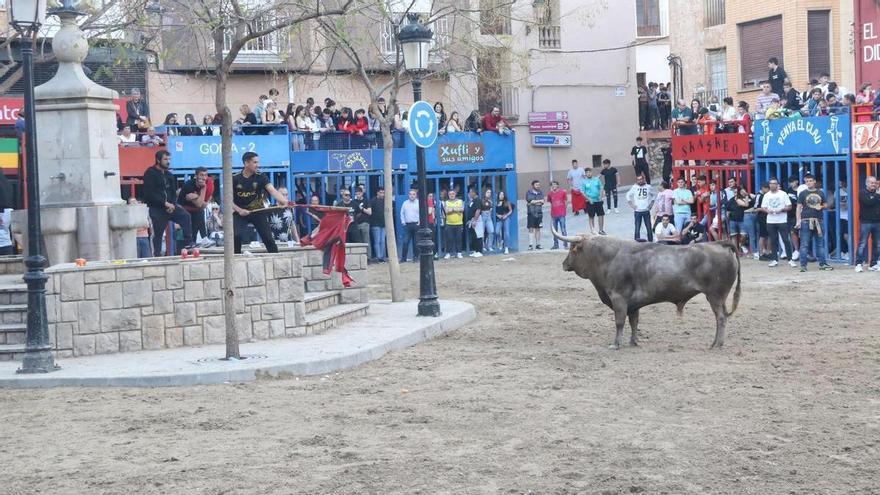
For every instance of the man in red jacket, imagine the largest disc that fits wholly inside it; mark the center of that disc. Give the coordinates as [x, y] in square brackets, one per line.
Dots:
[494, 122]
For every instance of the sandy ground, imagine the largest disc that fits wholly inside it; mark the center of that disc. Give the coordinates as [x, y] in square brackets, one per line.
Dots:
[528, 399]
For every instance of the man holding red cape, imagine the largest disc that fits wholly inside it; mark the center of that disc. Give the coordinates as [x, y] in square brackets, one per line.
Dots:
[575, 177]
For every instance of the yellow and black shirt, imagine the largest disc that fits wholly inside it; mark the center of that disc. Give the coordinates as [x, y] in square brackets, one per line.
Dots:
[250, 192]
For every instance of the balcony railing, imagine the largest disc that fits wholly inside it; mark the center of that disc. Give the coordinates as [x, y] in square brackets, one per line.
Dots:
[549, 37]
[510, 102]
[713, 11]
[704, 96]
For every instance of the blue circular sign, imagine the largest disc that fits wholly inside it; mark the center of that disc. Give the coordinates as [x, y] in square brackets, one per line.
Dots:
[423, 124]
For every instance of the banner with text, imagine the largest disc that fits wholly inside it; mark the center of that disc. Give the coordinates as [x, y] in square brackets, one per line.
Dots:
[813, 136]
[711, 147]
[204, 151]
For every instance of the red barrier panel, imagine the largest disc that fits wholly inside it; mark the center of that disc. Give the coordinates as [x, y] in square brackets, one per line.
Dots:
[133, 160]
[732, 146]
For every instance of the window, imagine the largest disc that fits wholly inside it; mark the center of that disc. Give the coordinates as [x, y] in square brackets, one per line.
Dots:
[495, 16]
[713, 12]
[597, 161]
[388, 37]
[716, 66]
[652, 18]
[264, 44]
[758, 42]
[819, 42]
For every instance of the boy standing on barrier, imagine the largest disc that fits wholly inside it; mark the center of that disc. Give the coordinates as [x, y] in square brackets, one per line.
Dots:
[869, 224]
[248, 199]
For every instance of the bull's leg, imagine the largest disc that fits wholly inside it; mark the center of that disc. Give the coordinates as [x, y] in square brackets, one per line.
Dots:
[720, 322]
[619, 322]
[634, 325]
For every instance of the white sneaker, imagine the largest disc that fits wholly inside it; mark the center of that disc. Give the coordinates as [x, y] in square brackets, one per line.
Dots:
[773, 263]
[477, 254]
[783, 256]
[792, 263]
[756, 256]
[616, 210]
[859, 268]
[447, 256]
[875, 268]
[459, 256]
[506, 251]
[795, 256]
[844, 256]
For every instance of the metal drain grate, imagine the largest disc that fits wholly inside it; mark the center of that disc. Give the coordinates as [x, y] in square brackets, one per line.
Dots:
[248, 357]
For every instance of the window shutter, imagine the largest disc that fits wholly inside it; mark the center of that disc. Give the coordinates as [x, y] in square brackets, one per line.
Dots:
[758, 41]
[819, 41]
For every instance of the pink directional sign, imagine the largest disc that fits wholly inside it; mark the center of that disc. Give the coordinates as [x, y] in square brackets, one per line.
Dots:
[548, 116]
[549, 126]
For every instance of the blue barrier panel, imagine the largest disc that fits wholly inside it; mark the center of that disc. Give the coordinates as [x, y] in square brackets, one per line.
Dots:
[811, 136]
[346, 160]
[204, 151]
[469, 151]
[820, 146]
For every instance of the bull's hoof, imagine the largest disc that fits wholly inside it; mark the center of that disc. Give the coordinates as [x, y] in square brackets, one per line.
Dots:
[614, 347]
[716, 345]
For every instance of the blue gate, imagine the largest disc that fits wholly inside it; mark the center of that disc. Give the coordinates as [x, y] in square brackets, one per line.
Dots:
[791, 148]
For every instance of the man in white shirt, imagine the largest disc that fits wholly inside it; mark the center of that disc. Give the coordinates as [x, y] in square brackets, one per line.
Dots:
[409, 219]
[665, 231]
[575, 177]
[641, 199]
[776, 205]
[6, 246]
[126, 137]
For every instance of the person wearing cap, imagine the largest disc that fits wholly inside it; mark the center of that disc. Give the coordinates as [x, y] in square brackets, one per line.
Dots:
[138, 115]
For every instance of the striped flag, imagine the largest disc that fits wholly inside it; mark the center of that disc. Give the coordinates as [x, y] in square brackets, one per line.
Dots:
[9, 156]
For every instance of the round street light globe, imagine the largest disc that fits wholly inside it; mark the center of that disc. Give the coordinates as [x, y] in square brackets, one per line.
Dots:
[415, 43]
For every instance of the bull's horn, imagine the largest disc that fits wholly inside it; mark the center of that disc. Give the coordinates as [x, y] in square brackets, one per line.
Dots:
[566, 238]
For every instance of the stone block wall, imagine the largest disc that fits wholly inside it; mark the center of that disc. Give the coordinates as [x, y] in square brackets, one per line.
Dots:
[162, 303]
[12, 265]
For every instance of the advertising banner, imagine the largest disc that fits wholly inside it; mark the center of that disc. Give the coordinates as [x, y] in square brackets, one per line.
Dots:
[711, 147]
[811, 136]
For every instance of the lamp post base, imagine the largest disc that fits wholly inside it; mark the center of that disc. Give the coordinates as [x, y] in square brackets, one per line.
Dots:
[37, 361]
[428, 304]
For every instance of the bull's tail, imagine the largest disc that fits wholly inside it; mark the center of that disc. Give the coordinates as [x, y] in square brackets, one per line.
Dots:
[737, 292]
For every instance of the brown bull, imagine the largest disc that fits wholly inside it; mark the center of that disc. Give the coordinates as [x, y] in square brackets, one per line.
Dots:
[631, 275]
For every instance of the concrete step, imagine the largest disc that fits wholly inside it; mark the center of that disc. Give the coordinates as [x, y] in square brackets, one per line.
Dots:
[13, 313]
[324, 319]
[13, 333]
[11, 352]
[13, 294]
[10, 308]
[316, 301]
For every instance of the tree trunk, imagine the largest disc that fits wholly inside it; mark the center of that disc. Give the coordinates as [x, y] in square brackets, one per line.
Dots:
[390, 222]
[232, 348]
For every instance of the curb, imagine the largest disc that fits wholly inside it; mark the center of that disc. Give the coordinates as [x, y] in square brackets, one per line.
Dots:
[376, 338]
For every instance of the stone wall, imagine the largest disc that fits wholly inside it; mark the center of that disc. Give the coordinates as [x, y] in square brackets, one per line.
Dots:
[162, 303]
[12, 265]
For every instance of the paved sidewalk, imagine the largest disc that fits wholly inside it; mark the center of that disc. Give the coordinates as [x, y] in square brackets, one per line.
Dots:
[387, 327]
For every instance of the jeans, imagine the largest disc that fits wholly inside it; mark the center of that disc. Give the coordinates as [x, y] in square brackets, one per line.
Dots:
[681, 219]
[143, 247]
[750, 227]
[453, 239]
[363, 230]
[808, 236]
[410, 233]
[159, 219]
[559, 226]
[488, 229]
[643, 216]
[866, 229]
[774, 230]
[502, 232]
[377, 236]
[611, 194]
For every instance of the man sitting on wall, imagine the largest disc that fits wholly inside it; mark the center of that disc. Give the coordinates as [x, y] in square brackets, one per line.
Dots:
[494, 122]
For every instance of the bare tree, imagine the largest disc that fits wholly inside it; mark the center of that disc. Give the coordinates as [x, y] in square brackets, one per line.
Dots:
[230, 25]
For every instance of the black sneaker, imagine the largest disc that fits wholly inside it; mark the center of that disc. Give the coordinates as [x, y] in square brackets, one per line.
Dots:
[826, 267]
[602, 232]
[538, 246]
[530, 247]
[803, 269]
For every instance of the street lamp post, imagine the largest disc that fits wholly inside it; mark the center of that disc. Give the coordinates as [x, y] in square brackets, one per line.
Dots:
[27, 17]
[415, 43]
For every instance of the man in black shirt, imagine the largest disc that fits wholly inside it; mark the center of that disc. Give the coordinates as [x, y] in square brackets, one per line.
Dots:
[640, 160]
[810, 206]
[693, 232]
[793, 186]
[193, 197]
[377, 226]
[249, 195]
[160, 188]
[776, 76]
[610, 175]
[869, 224]
[362, 213]
[345, 201]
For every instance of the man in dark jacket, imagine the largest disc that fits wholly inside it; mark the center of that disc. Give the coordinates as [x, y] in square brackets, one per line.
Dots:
[869, 224]
[138, 112]
[160, 194]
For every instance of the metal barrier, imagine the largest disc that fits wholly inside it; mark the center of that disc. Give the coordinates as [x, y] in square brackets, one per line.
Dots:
[820, 146]
[865, 162]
